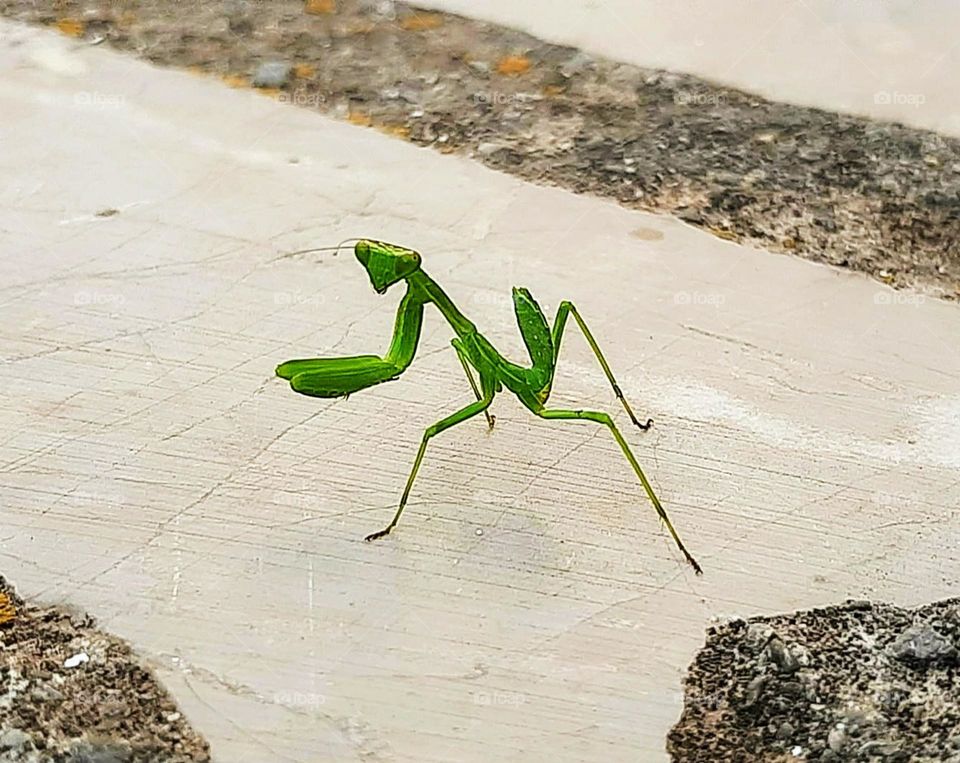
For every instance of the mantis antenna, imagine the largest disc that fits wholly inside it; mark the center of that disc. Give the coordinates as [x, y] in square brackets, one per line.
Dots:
[335, 249]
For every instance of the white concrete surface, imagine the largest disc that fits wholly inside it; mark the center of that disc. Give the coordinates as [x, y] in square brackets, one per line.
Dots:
[807, 437]
[893, 60]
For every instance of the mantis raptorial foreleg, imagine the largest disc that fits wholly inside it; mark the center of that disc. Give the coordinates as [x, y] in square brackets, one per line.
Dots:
[566, 308]
[434, 429]
[604, 418]
[473, 384]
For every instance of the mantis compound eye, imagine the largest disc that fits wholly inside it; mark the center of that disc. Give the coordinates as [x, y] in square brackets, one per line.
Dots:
[362, 250]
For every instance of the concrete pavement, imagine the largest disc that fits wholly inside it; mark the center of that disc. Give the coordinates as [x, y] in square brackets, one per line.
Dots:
[529, 607]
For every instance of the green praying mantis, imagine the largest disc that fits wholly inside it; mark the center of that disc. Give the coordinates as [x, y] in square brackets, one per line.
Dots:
[388, 264]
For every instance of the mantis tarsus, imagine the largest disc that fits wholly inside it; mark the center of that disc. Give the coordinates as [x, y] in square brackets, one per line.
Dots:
[388, 264]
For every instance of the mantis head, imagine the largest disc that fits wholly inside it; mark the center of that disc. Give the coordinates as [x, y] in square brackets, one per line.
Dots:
[386, 264]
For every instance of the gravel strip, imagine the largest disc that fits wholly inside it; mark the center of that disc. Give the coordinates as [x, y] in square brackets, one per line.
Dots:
[70, 693]
[856, 682]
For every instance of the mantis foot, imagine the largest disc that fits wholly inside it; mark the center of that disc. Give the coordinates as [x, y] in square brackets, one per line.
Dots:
[644, 427]
[696, 567]
[378, 534]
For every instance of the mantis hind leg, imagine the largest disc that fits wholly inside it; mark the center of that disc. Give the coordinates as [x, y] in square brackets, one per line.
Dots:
[567, 308]
[606, 420]
[473, 383]
[434, 429]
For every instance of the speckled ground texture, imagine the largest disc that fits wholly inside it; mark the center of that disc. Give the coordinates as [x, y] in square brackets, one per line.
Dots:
[855, 682]
[875, 197]
[108, 709]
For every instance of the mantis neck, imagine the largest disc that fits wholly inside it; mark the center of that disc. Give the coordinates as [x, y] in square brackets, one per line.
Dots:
[428, 290]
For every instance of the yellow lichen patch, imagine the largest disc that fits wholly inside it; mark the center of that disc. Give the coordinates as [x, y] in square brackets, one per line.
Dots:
[513, 65]
[647, 234]
[235, 80]
[270, 92]
[397, 131]
[198, 70]
[7, 611]
[71, 27]
[726, 235]
[304, 71]
[362, 27]
[421, 22]
[554, 90]
[320, 6]
[359, 118]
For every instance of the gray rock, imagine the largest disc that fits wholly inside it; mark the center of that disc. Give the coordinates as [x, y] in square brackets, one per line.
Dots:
[781, 656]
[45, 691]
[923, 644]
[879, 748]
[754, 690]
[837, 737]
[86, 752]
[786, 731]
[272, 74]
[480, 67]
[575, 64]
[15, 742]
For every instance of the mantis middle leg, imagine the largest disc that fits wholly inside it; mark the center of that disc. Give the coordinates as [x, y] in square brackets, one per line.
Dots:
[434, 429]
[473, 384]
[606, 420]
[566, 308]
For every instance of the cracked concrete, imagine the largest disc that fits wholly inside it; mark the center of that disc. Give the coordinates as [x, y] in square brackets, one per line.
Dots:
[154, 473]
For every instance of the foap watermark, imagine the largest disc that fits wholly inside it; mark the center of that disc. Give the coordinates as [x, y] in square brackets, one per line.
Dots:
[299, 699]
[498, 698]
[94, 698]
[97, 498]
[699, 298]
[694, 98]
[891, 500]
[296, 298]
[96, 100]
[499, 500]
[898, 298]
[301, 97]
[490, 297]
[499, 98]
[888, 98]
[303, 499]
[98, 298]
